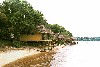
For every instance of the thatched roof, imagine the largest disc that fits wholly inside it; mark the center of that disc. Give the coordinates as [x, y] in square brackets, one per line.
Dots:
[43, 29]
[61, 36]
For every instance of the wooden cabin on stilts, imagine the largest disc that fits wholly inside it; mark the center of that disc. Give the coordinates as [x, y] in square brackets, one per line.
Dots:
[42, 36]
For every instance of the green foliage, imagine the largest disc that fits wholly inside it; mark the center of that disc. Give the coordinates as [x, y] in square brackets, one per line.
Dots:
[17, 44]
[18, 17]
[21, 18]
[1, 43]
[59, 29]
[3, 18]
[69, 34]
[4, 43]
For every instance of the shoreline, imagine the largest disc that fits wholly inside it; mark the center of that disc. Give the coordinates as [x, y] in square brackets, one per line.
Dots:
[40, 59]
[11, 55]
[23, 54]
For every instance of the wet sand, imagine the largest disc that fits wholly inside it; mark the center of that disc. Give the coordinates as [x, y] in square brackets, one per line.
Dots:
[12, 55]
[27, 58]
[42, 59]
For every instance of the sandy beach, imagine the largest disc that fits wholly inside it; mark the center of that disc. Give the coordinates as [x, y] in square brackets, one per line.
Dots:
[26, 57]
[42, 59]
[12, 55]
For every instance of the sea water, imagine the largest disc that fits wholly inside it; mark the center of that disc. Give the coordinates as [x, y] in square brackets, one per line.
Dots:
[83, 54]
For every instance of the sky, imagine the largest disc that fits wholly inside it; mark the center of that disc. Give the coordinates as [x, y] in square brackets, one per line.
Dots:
[80, 17]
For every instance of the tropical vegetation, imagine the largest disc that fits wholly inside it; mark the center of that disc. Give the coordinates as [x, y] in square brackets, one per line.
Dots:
[19, 17]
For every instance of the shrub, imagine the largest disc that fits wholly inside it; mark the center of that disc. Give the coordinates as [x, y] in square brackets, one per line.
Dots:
[17, 44]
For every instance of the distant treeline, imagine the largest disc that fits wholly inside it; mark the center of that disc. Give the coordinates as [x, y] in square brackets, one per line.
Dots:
[87, 38]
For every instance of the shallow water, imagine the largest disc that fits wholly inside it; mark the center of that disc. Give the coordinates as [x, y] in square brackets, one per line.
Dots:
[84, 54]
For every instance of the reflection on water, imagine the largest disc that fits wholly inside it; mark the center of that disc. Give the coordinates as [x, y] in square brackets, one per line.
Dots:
[84, 54]
[60, 58]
